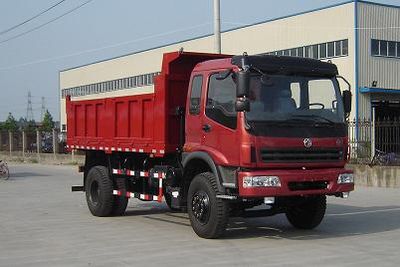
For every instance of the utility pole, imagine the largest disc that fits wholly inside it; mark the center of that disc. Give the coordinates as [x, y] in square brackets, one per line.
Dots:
[29, 109]
[217, 26]
[42, 110]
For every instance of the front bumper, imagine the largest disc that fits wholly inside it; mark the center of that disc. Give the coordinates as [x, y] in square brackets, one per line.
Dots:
[290, 178]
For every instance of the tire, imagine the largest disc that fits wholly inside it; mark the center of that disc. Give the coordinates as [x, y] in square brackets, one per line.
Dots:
[120, 203]
[208, 215]
[4, 172]
[99, 192]
[308, 214]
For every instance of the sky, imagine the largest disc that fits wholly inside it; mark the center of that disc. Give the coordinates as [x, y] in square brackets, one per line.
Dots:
[103, 29]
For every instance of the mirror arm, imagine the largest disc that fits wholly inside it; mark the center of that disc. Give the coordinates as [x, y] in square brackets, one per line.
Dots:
[344, 79]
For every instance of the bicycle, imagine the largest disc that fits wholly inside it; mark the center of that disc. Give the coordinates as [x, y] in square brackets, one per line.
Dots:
[383, 158]
[4, 171]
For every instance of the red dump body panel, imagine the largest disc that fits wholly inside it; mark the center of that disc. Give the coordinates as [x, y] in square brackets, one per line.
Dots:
[144, 123]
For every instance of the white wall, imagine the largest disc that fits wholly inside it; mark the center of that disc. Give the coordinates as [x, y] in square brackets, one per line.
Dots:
[331, 24]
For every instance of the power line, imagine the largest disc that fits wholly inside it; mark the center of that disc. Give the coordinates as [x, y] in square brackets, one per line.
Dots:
[44, 24]
[104, 47]
[32, 18]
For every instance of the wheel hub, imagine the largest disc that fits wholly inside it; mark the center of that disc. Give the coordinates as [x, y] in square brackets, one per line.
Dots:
[201, 206]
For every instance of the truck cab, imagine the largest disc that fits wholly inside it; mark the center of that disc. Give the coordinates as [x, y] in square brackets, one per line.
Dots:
[275, 128]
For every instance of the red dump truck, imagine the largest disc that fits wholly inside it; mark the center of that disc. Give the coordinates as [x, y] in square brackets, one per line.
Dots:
[219, 136]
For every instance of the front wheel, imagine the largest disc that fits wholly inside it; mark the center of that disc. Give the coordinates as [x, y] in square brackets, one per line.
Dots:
[208, 214]
[308, 214]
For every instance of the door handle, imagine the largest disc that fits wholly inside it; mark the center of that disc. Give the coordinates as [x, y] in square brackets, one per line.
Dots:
[206, 128]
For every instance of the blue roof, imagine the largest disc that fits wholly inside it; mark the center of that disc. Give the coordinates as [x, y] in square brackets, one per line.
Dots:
[366, 90]
[237, 28]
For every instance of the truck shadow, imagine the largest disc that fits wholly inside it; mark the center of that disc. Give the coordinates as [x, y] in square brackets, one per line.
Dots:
[339, 221]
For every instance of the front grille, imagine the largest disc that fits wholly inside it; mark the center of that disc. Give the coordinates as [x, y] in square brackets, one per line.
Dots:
[298, 186]
[301, 155]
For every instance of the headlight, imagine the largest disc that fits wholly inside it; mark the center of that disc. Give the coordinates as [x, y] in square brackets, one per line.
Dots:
[345, 178]
[261, 181]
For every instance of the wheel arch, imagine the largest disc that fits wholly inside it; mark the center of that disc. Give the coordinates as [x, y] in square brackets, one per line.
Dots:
[198, 162]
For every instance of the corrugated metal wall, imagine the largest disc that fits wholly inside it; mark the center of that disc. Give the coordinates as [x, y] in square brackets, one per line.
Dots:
[382, 23]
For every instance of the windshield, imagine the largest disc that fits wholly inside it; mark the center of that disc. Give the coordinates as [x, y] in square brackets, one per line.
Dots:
[294, 98]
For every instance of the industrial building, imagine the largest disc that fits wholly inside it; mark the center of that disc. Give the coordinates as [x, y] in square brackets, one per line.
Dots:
[362, 38]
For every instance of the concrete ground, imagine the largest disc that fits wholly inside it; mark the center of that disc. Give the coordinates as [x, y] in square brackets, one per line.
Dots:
[43, 224]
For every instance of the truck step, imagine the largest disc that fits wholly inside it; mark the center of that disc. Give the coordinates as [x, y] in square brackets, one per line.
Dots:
[140, 196]
[77, 188]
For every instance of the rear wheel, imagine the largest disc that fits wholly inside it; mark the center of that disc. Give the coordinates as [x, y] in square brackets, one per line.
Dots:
[308, 214]
[99, 191]
[208, 214]
[120, 202]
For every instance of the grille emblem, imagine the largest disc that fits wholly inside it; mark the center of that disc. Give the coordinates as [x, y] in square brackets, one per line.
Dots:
[307, 142]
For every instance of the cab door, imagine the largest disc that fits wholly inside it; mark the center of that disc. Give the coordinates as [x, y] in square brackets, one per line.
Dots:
[219, 124]
[193, 118]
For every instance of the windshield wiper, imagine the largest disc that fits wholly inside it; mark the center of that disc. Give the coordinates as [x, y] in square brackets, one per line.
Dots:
[315, 118]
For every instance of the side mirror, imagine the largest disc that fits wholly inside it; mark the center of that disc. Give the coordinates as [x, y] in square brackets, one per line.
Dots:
[346, 96]
[243, 83]
[242, 104]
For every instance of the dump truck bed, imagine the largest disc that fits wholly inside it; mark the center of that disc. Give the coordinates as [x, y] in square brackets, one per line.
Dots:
[143, 123]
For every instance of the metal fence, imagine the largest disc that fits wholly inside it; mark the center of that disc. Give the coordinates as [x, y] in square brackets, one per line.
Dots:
[366, 139]
[31, 142]
[369, 138]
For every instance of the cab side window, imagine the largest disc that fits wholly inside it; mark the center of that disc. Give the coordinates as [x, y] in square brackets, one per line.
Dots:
[221, 98]
[195, 95]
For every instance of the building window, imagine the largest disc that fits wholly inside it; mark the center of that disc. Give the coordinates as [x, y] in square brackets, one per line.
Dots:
[382, 48]
[331, 49]
[398, 49]
[345, 47]
[300, 52]
[315, 51]
[102, 87]
[338, 49]
[375, 47]
[307, 51]
[391, 49]
[322, 50]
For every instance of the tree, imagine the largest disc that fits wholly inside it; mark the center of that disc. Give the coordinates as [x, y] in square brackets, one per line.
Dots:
[27, 126]
[10, 124]
[47, 123]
